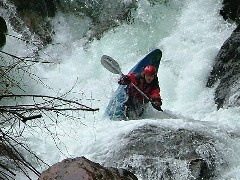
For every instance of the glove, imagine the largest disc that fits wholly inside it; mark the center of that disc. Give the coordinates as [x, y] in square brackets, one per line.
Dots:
[124, 80]
[157, 103]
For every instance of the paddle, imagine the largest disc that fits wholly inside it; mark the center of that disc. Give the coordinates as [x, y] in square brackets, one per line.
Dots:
[112, 65]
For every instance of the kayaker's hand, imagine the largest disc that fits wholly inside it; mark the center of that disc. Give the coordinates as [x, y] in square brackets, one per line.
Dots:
[157, 103]
[124, 80]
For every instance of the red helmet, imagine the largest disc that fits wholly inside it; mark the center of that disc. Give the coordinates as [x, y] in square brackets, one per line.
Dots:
[149, 70]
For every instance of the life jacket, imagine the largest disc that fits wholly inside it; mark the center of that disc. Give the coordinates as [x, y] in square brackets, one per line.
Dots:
[152, 90]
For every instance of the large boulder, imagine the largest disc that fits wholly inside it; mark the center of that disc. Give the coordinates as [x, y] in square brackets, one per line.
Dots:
[154, 152]
[83, 169]
[226, 71]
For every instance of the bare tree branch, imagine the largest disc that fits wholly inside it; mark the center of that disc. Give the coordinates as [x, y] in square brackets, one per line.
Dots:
[13, 73]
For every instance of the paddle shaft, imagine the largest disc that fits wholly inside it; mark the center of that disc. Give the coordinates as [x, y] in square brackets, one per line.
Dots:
[139, 90]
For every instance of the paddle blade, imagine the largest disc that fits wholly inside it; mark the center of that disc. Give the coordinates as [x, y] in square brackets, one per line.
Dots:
[110, 64]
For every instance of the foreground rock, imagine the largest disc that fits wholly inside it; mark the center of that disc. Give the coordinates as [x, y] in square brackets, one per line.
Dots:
[84, 169]
[154, 152]
[150, 152]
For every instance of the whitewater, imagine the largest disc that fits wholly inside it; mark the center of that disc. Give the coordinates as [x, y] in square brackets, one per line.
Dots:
[189, 33]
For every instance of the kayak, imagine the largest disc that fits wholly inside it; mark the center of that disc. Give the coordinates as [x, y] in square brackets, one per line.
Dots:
[115, 109]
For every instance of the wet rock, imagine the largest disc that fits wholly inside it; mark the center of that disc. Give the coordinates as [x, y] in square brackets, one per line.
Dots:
[2, 40]
[231, 10]
[3, 26]
[226, 70]
[3, 32]
[105, 14]
[83, 169]
[198, 168]
[35, 15]
[152, 152]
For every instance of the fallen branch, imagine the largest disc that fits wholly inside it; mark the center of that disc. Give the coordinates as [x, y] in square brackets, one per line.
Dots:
[24, 59]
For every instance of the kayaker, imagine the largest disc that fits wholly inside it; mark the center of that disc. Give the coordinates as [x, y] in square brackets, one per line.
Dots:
[148, 83]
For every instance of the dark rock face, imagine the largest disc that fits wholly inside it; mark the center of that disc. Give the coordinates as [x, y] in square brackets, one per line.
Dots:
[105, 14]
[35, 14]
[226, 69]
[231, 10]
[2, 40]
[3, 26]
[159, 153]
[84, 169]
[45, 8]
[3, 31]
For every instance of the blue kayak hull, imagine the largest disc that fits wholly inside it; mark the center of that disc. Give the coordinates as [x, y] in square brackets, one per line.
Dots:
[115, 109]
